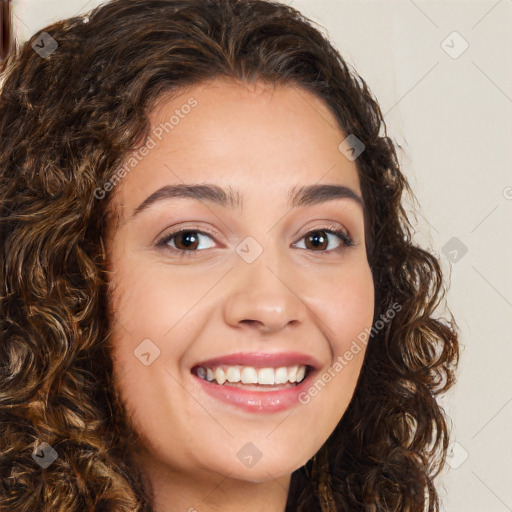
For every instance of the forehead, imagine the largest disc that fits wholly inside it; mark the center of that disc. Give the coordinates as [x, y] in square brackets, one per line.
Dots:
[257, 139]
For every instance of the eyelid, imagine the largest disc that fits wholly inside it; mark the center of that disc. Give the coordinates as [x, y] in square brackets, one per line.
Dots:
[333, 226]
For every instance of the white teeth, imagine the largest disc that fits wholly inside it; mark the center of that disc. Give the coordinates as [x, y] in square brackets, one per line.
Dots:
[281, 375]
[233, 374]
[266, 376]
[250, 375]
[220, 376]
[292, 373]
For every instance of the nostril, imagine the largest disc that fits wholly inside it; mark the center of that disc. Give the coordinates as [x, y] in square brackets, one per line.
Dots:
[250, 322]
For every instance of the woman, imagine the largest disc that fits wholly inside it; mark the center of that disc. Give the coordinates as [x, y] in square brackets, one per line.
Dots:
[293, 362]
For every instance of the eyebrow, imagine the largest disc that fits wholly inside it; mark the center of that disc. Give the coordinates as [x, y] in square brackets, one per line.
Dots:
[307, 195]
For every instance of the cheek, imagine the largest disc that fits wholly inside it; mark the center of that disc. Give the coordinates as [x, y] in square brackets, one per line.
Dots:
[345, 305]
[356, 306]
[159, 314]
[152, 302]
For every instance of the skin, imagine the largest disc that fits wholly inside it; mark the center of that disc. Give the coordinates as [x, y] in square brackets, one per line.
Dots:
[261, 141]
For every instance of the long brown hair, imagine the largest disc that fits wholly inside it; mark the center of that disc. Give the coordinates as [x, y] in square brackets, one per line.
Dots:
[6, 31]
[68, 119]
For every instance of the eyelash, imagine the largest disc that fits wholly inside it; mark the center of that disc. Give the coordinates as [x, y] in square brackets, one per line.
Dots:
[347, 241]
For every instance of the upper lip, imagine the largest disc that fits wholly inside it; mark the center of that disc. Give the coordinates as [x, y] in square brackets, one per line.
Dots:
[261, 360]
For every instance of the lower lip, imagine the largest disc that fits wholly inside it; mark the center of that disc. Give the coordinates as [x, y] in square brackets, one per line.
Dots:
[256, 401]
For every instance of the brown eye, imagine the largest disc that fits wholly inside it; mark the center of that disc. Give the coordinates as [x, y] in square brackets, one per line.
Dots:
[185, 241]
[318, 240]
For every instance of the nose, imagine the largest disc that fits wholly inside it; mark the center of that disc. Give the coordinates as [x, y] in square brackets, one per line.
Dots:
[263, 298]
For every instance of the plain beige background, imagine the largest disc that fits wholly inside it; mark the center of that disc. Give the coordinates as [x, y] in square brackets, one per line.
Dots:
[442, 72]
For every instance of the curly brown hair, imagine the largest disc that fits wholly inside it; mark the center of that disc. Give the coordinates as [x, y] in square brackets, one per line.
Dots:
[68, 120]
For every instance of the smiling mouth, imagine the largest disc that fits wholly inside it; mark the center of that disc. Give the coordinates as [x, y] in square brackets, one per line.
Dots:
[251, 378]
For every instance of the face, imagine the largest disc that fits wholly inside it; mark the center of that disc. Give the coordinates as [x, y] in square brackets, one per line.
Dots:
[256, 282]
